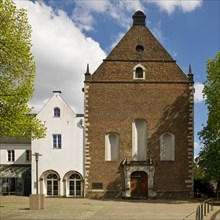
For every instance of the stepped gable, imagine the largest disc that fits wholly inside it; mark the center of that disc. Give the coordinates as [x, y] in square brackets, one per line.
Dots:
[139, 46]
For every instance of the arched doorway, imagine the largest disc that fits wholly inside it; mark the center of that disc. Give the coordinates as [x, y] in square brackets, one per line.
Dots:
[52, 184]
[139, 184]
[75, 185]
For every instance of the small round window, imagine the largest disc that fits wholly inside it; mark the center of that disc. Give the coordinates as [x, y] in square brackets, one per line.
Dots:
[139, 48]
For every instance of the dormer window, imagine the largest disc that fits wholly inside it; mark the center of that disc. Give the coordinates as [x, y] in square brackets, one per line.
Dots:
[139, 72]
[56, 112]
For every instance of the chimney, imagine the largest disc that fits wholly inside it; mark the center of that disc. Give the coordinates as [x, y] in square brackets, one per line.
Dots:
[57, 92]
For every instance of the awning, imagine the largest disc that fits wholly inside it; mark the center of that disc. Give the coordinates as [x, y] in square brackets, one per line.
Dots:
[13, 171]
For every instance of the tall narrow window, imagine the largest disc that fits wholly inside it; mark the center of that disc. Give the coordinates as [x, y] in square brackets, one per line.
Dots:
[167, 147]
[11, 155]
[56, 112]
[57, 141]
[139, 140]
[28, 155]
[111, 147]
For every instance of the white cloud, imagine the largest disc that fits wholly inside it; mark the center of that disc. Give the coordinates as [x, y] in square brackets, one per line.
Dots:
[184, 5]
[83, 13]
[118, 10]
[61, 53]
[197, 149]
[198, 96]
[197, 146]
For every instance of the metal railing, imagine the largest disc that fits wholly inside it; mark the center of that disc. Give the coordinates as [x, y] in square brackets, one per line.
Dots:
[203, 209]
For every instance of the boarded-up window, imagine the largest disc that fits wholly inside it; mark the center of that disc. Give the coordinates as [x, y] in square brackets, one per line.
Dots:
[111, 147]
[139, 140]
[167, 146]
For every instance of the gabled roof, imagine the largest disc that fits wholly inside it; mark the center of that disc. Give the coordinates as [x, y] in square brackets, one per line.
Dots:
[56, 97]
[139, 35]
[14, 140]
[139, 46]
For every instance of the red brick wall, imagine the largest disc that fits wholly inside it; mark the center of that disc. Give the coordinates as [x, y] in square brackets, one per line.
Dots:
[113, 100]
[112, 107]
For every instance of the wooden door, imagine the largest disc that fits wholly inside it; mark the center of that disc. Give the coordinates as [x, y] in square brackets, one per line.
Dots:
[139, 184]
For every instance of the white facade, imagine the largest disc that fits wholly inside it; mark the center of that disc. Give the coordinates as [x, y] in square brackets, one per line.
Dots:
[60, 168]
[20, 153]
[15, 166]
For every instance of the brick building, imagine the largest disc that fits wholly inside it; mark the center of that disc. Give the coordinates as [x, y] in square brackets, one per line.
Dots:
[138, 121]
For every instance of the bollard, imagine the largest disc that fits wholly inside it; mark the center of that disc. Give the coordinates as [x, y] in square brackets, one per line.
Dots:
[198, 213]
[201, 212]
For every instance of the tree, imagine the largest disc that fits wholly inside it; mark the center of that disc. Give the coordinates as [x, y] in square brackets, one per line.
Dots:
[17, 74]
[202, 185]
[209, 157]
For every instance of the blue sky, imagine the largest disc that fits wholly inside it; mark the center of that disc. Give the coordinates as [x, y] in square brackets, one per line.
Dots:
[68, 34]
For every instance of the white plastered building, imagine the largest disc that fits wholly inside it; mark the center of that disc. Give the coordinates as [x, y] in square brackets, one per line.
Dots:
[15, 166]
[60, 169]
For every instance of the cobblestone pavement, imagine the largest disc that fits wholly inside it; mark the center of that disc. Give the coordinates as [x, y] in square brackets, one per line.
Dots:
[17, 207]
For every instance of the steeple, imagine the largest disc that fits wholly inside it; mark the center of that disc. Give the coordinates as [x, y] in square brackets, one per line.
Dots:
[87, 70]
[139, 18]
[190, 74]
[87, 73]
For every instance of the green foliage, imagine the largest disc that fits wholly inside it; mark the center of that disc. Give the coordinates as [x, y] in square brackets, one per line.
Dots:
[209, 157]
[202, 186]
[198, 171]
[17, 74]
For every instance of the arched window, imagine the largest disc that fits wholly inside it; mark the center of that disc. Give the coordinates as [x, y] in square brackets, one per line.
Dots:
[167, 147]
[139, 72]
[139, 140]
[56, 112]
[111, 147]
